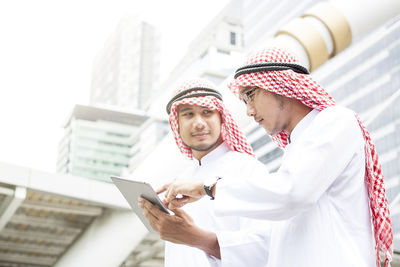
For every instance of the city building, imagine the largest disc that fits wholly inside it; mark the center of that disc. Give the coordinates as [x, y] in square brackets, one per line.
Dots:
[212, 55]
[144, 140]
[263, 19]
[126, 70]
[96, 142]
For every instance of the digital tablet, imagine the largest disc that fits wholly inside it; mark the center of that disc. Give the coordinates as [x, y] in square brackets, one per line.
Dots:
[132, 190]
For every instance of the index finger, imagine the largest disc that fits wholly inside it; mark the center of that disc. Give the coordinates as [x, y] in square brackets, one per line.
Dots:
[170, 195]
[163, 188]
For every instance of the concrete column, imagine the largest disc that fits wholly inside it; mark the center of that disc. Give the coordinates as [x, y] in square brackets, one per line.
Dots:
[108, 241]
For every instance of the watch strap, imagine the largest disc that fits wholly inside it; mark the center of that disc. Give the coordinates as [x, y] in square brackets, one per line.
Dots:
[208, 188]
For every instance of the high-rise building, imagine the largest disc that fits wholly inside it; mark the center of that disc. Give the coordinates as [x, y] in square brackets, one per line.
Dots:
[212, 55]
[145, 139]
[96, 142]
[262, 19]
[127, 68]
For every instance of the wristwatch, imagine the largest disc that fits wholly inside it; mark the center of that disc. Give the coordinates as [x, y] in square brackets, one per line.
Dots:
[209, 183]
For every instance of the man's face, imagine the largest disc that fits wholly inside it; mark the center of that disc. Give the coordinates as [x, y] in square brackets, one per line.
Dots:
[199, 127]
[269, 110]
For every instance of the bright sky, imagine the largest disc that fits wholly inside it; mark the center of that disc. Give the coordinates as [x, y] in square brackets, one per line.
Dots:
[46, 52]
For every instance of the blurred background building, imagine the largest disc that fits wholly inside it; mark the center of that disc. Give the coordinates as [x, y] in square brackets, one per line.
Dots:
[96, 142]
[213, 55]
[144, 140]
[126, 71]
[74, 218]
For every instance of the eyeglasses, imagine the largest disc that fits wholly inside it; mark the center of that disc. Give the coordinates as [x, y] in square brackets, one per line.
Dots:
[247, 96]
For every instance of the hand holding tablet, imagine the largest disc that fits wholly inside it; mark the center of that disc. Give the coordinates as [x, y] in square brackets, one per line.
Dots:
[132, 190]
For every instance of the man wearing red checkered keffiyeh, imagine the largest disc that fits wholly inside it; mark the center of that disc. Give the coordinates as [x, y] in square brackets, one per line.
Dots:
[206, 133]
[291, 81]
[328, 192]
[199, 92]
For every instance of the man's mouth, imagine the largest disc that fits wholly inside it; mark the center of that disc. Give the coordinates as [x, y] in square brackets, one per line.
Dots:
[199, 134]
[259, 120]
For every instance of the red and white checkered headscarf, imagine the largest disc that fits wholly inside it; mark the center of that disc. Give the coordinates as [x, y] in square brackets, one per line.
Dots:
[303, 88]
[230, 131]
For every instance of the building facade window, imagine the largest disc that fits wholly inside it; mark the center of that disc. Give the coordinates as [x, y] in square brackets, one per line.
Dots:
[233, 38]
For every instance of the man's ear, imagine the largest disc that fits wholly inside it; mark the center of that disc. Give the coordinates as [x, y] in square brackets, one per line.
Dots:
[223, 132]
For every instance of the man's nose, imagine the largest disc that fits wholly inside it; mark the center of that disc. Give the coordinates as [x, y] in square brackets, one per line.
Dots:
[250, 110]
[199, 122]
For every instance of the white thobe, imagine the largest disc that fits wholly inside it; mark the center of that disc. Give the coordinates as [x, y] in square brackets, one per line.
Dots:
[318, 195]
[242, 241]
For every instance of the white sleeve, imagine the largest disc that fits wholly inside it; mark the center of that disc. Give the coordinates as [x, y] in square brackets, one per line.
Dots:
[248, 247]
[321, 153]
[214, 262]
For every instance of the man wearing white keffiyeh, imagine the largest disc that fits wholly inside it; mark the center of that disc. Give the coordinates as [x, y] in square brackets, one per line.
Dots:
[329, 191]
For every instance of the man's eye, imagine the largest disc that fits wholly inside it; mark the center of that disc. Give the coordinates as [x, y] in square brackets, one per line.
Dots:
[207, 111]
[187, 114]
[250, 95]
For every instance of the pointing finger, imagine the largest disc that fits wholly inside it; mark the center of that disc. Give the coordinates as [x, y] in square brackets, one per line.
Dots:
[163, 188]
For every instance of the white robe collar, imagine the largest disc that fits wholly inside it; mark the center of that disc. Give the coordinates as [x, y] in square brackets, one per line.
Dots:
[302, 125]
[213, 155]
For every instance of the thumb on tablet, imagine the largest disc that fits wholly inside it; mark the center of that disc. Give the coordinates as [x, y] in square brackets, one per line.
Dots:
[181, 213]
